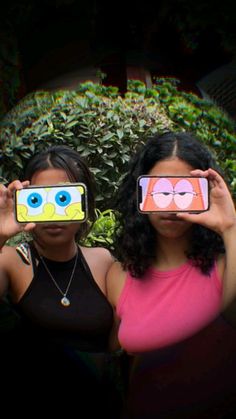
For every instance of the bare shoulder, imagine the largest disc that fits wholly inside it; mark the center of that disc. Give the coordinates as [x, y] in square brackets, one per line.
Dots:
[8, 256]
[98, 254]
[116, 269]
[99, 261]
[116, 278]
[10, 268]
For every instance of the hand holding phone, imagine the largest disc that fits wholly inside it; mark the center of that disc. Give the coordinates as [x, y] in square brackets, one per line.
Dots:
[51, 203]
[172, 194]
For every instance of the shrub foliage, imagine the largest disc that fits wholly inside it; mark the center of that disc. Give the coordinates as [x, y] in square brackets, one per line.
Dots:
[106, 128]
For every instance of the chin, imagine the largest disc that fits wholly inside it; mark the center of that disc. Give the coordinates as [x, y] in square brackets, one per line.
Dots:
[175, 232]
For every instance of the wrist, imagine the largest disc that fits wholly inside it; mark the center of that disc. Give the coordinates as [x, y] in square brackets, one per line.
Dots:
[2, 243]
[230, 230]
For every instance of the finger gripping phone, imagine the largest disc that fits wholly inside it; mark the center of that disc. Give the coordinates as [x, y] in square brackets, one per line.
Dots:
[172, 194]
[51, 203]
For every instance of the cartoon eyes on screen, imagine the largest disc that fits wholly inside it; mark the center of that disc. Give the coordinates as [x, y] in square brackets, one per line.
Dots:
[52, 203]
[173, 194]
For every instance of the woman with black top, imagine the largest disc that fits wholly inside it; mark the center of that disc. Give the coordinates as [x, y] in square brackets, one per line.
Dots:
[59, 347]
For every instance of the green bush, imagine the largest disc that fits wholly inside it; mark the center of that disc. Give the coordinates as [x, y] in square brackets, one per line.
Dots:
[106, 129]
[95, 120]
[102, 230]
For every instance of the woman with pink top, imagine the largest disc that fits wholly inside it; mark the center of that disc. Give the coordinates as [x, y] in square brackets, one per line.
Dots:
[175, 277]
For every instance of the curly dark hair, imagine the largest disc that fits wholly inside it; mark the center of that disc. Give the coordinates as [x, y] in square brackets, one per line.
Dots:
[69, 160]
[135, 238]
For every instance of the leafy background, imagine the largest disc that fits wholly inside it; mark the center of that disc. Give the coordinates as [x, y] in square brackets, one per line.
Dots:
[106, 128]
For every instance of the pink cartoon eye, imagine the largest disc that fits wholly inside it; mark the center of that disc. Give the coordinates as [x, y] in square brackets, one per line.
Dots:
[162, 193]
[183, 194]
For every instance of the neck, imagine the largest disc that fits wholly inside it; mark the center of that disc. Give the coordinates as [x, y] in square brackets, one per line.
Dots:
[57, 253]
[171, 253]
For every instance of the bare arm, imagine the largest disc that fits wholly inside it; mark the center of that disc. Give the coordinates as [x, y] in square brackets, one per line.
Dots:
[8, 225]
[4, 282]
[115, 281]
[114, 344]
[221, 218]
[8, 228]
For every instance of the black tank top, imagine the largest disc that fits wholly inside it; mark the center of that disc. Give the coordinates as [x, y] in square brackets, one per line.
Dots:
[85, 324]
[60, 352]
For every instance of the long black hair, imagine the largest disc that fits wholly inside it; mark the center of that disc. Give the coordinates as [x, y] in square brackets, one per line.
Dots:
[135, 238]
[69, 160]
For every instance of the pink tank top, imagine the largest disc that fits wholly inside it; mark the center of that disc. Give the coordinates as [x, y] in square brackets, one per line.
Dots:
[165, 307]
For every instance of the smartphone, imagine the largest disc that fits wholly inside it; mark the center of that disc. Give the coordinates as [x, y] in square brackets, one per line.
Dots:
[172, 194]
[51, 203]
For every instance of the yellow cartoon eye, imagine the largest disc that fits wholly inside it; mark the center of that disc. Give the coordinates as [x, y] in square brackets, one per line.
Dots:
[33, 200]
[62, 203]
[63, 198]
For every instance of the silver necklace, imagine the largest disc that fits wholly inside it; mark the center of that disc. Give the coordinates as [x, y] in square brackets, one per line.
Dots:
[64, 300]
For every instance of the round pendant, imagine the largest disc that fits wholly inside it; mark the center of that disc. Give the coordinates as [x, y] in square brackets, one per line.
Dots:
[65, 301]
